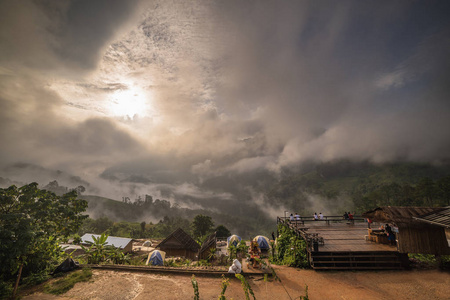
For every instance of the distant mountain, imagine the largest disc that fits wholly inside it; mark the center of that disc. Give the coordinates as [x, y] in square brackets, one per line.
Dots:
[155, 210]
[345, 185]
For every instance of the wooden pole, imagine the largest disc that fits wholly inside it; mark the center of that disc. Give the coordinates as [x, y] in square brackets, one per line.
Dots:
[17, 281]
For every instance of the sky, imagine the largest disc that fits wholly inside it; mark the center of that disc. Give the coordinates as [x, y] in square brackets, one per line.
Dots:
[159, 97]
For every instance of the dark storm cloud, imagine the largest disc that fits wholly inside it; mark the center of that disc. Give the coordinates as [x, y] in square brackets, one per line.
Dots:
[52, 34]
[315, 71]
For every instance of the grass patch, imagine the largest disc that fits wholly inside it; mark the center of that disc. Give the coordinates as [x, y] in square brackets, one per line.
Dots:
[428, 261]
[64, 284]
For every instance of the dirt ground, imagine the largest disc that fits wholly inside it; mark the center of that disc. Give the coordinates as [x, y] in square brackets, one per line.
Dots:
[415, 284]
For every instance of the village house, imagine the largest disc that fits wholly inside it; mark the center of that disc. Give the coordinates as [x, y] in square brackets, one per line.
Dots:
[417, 233]
[179, 243]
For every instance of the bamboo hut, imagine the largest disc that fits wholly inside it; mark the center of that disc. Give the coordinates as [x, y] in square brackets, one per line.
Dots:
[208, 244]
[179, 243]
[413, 236]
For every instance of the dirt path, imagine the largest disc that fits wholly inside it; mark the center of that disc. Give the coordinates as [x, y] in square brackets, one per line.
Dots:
[429, 284]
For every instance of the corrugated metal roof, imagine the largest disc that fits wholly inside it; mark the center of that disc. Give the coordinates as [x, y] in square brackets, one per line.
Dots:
[398, 214]
[440, 218]
[114, 241]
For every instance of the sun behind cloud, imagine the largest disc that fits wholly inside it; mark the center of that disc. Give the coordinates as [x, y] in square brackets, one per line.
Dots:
[129, 102]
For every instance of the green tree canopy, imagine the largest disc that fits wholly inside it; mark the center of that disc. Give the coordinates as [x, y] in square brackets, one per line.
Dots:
[222, 231]
[202, 225]
[32, 224]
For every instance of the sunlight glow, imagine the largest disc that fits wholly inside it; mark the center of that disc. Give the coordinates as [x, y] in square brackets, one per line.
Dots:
[129, 103]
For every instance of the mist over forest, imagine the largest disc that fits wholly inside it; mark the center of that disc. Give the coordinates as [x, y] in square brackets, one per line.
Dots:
[253, 202]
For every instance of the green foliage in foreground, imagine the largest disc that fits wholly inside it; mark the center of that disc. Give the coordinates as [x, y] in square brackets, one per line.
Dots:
[246, 287]
[195, 286]
[290, 250]
[306, 297]
[99, 252]
[64, 284]
[33, 223]
[224, 285]
[431, 261]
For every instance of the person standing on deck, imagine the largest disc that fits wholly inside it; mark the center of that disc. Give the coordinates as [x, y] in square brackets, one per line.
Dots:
[291, 217]
[345, 215]
[390, 234]
[350, 216]
[297, 219]
[369, 222]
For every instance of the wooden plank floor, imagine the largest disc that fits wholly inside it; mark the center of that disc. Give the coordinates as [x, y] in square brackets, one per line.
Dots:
[342, 237]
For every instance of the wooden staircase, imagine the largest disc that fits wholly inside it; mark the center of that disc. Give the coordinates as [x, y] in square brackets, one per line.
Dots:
[360, 260]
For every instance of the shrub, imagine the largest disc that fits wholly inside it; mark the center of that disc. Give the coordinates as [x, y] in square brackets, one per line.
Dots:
[290, 250]
[64, 284]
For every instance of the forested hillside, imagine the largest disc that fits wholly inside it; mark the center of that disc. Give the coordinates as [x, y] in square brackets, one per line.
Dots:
[167, 215]
[362, 186]
[331, 188]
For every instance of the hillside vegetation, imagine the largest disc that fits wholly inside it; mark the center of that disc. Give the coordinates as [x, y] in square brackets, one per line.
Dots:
[331, 188]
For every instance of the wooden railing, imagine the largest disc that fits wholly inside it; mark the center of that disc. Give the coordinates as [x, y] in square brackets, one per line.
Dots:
[327, 219]
[301, 232]
[312, 238]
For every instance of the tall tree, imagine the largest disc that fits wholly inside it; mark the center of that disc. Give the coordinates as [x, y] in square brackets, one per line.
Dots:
[202, 225]
[32, 224]
[444, 189]
[426, 189]
[222, 231]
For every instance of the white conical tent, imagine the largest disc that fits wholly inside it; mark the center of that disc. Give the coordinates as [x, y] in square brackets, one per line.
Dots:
[233, 240]
[263, 242]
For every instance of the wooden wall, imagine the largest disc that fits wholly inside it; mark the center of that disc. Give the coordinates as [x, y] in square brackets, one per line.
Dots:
[426, 239]
[128, 248]
[179, 253]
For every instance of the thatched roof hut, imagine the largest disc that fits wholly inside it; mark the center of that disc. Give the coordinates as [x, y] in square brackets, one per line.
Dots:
[208, 244]
[179, 243]
[414, 236]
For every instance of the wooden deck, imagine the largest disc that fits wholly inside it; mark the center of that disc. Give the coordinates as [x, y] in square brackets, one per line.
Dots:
[342, 246]
[346, 237]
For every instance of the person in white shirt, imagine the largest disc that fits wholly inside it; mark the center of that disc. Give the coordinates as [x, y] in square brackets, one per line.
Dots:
[291, 217]
[316, 217]
[297, 219]
[320, 216]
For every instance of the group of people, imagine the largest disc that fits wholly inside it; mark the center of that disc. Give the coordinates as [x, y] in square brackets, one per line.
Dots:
[318, 217]
[297, 217]
[348, 216]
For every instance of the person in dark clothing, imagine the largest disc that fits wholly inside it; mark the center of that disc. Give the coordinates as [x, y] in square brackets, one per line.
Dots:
[390, 234]
[345, 215]
[273, 235]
